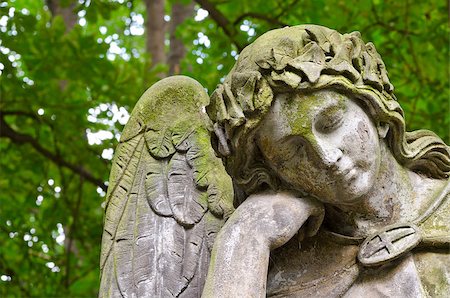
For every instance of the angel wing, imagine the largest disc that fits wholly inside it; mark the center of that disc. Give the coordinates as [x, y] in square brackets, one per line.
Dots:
[168, 196]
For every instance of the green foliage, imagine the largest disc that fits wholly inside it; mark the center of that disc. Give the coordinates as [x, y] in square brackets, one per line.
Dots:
[58, 87]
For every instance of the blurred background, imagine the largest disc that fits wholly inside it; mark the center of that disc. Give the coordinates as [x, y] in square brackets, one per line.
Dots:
[71, 71]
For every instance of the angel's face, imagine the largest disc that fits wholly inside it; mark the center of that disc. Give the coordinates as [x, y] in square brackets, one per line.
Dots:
[322, 143]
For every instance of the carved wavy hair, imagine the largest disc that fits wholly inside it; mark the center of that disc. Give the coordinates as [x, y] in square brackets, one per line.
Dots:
[304, 59]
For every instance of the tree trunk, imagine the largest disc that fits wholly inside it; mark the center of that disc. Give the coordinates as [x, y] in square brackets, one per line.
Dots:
[155, 30]
[177, 50]
[66, 12]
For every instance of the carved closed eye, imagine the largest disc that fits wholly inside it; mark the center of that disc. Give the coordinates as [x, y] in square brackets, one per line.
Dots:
[329, 120]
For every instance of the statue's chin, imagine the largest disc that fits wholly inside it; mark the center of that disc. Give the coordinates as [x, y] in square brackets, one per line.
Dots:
[354, 190]
[349, 190]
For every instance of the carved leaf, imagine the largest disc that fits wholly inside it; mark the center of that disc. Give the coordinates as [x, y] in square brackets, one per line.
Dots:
[290, 78]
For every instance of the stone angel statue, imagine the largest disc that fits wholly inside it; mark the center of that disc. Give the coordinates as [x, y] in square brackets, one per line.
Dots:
[296, 178]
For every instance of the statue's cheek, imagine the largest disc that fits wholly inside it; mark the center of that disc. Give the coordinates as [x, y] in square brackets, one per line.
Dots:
[362, 144]
[363, 131]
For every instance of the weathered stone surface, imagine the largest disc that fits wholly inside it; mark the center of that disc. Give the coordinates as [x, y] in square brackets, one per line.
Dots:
[333, 197]
[168, 197]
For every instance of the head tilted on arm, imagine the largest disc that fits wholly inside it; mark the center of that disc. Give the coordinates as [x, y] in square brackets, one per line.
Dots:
[304, 59]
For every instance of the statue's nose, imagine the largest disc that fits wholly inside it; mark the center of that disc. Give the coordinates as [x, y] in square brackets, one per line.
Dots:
[328, 153]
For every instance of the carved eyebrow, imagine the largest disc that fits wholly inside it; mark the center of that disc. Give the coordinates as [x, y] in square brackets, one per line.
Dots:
[335, 106]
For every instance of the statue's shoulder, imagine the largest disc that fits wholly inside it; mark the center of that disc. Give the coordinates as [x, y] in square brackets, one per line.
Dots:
[435, 226]
[433, 260]
[433, 268]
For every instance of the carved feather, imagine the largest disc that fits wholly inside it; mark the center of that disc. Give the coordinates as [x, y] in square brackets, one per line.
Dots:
[123, 172]
[187, 203]
[168, 197]
[160, 143]
[156, 187]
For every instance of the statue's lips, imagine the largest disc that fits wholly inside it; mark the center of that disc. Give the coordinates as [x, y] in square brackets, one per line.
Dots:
[346, 172]
[349, 174]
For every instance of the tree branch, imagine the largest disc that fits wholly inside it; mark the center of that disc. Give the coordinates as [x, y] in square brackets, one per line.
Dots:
[255, 15]
[20, 113]
[221, 21]
[19, 138]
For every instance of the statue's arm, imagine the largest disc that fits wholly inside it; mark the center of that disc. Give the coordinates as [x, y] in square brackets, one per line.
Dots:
[240, 257]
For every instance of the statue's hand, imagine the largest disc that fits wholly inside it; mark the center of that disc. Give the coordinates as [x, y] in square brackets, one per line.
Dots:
[277, 217]
[240, 257]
